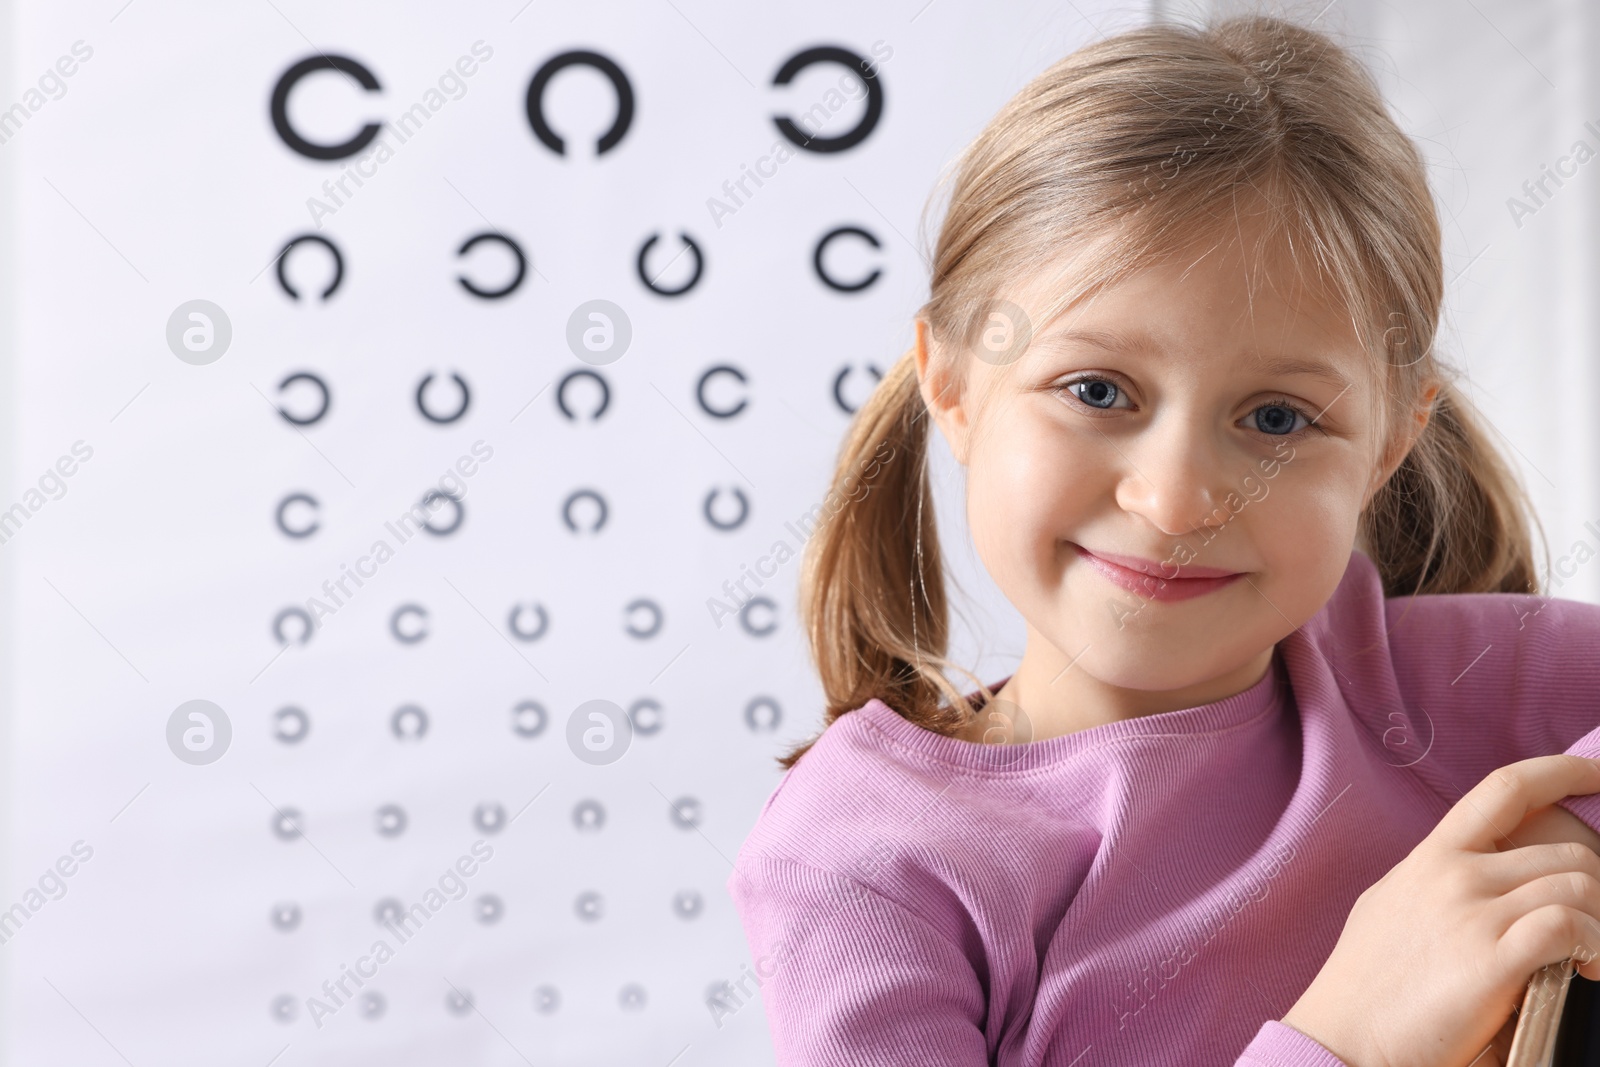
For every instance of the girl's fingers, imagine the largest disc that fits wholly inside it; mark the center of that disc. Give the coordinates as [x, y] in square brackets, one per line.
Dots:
[1497, 805]
[1504, 871]
[1578, 891]
[1546, 935]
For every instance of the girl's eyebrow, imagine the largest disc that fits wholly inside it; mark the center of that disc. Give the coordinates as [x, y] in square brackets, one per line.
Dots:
[1100, 338]
[1312, 368]
[1112, 341]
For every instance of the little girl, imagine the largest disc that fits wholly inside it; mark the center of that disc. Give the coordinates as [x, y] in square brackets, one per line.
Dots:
[1294, 768]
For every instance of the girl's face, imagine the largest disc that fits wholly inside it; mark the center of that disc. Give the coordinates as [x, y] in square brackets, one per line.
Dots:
[1179, 419]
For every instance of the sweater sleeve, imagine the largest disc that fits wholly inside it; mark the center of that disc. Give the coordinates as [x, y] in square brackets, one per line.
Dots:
[1588, 805]
[852, 978]
[1278, 1044]
[1489, 679]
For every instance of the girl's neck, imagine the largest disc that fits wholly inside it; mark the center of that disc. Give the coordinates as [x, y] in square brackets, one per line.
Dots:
[1060, 702]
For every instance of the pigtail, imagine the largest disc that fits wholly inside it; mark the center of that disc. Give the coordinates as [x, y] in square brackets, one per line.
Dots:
[1454, 517]
[872, 590]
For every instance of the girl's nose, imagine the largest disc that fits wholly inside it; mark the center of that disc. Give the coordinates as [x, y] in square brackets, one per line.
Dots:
[1173, 477]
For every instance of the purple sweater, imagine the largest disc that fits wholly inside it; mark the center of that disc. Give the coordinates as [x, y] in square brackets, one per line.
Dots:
[1158, 890]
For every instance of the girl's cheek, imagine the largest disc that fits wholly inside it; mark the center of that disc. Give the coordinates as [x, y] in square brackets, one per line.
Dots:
[1323, 504]
[1032, 496]
[1035, 451]
[1303, 533]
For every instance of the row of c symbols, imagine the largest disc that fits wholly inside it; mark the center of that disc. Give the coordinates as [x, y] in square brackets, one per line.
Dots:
[521, 258]
[411, 633]
[325, 395]
[601, 512]
[410, 722]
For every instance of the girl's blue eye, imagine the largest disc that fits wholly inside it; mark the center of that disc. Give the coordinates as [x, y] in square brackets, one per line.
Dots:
[1097, 392]
[1277, 419]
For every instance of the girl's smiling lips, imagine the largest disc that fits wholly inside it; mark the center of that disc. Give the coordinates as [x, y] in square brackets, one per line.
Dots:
[1154, 580]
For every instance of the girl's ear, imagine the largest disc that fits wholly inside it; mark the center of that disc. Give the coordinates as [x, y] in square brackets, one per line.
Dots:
[943, 393]
[1404, 441]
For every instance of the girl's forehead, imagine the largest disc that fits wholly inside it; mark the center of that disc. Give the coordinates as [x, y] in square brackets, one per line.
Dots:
[1154, 315]
[1254, 248]
[1243, 281]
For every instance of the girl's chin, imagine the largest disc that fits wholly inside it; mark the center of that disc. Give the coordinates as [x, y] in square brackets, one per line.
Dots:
[1151, 649]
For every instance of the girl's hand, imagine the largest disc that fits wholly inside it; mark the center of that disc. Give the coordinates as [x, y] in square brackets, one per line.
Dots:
[1437, 953]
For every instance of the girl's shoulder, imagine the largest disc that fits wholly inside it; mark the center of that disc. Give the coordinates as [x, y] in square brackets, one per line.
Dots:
[1434, 626]
[851, 818]
[848, 788]
[1472, 681]
[883, 802]
[1535, 623]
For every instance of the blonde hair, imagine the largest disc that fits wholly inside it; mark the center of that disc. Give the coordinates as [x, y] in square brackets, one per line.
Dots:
[1152, 135]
